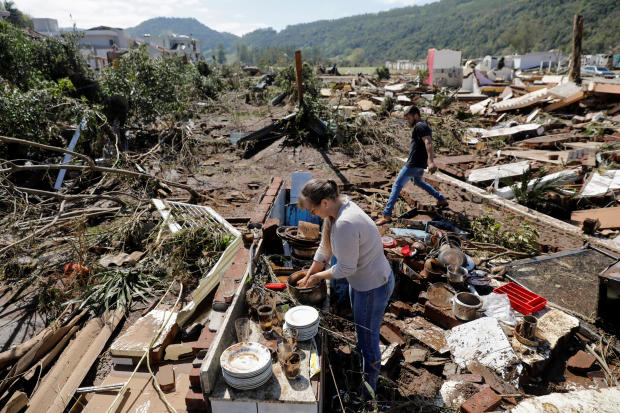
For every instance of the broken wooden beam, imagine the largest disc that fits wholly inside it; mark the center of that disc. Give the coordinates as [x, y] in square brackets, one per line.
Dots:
[61, 382]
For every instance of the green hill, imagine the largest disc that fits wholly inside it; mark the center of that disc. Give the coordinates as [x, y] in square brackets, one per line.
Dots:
[209, 38]
[476, 27]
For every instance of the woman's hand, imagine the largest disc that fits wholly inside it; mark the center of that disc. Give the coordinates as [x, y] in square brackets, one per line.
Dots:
[309, 281]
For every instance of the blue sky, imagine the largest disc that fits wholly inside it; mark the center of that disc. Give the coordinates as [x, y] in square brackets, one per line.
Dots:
[236, 16]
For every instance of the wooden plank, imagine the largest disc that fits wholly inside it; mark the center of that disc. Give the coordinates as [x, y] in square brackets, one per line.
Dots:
[451, 160]
[539, 155]
[565, 102]
[608, 217]
[17, 402]
[63, 379]
[611, 88]
[547, 141]
[136, 340]
[142, 397]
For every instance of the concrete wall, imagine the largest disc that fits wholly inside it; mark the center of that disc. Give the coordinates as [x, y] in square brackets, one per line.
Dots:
[447, 69]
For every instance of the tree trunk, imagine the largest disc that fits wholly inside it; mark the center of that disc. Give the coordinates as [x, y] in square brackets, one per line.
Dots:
[575, 68]
[300, 89]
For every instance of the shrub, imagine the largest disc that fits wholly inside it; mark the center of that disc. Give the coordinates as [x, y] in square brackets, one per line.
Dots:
[157, 86]
[382, 73]
[25, 61]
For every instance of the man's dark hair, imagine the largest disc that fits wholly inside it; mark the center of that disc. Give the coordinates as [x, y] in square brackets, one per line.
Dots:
[413, 110]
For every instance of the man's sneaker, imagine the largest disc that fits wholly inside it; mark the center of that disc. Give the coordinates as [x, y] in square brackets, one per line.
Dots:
[383, 220]
[442, 204]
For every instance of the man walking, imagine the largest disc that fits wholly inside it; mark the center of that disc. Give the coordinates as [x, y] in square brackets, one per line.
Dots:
[420, 156]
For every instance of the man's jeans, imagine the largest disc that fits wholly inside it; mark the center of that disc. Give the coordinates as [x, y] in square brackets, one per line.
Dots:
[403, 177]
[368, 309]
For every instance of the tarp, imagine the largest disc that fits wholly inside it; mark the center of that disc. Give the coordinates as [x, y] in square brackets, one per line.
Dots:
[482, 79]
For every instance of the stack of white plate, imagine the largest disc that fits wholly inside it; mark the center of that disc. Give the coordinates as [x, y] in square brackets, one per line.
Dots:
[246, 366]
[304, 319]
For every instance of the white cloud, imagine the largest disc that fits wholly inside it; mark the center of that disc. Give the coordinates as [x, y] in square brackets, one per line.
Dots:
[123, 13]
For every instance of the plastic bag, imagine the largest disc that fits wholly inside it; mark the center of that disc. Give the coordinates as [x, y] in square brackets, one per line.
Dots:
[498, 307]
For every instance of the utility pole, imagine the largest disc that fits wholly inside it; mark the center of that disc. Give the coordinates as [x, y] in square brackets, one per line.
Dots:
[575, 68]
[300, 89]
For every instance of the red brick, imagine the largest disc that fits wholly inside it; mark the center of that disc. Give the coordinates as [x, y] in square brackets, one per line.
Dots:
[483, 401]
[390, 336]
[581, 362]
[443, 318]
[194, 378]
[236, 271]
[277, 180]
[268, 200]
[272, 191]
[165, 378]
[205, 340]
[242, 257]
[258, 217]
[195, 400]
[400, 309]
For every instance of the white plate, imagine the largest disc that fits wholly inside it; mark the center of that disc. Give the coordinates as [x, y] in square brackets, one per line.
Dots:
[301, 316]
[251, 381]
[308, 335]
[304, 332]
[245, 359]
[249, 386]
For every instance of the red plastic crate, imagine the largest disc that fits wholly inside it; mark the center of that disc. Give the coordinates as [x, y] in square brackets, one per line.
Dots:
[522, 300]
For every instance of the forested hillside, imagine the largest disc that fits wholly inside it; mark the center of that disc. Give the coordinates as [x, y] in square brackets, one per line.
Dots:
[477, 27]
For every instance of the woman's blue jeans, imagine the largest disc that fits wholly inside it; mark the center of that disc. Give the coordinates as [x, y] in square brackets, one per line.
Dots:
[368, 310]
[405, 174]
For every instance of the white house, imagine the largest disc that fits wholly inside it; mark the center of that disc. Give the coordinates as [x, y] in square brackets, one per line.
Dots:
[182, 44]
[444, 68]
[534, 60]
[98, 41]
[4, 14]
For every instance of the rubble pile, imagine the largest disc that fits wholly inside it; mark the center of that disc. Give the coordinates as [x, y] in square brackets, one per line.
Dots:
[176, 238]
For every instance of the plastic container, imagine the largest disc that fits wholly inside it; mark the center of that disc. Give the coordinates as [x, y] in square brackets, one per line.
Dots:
[522, 300]
[388, 242]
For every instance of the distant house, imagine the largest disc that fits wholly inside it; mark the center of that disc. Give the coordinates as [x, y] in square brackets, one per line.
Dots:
[181, 44]
[47, 27]
[596, 59]
[99, 41]
[4, 14]
[444, 68]
[534, 60]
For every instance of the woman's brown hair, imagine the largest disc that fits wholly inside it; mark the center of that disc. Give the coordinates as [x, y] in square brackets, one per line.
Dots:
[313, 192]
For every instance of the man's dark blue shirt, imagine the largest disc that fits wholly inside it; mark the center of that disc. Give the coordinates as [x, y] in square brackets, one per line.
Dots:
[418, 158]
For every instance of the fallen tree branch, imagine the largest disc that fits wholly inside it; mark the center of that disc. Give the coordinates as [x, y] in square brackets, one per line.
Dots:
[91, 166]
[38, 231]
[67, 197]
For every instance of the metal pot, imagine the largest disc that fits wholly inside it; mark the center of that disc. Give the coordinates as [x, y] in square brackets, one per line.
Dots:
[466, 306]
[312, 296]
[456, 274]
